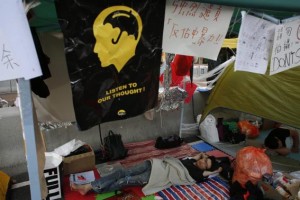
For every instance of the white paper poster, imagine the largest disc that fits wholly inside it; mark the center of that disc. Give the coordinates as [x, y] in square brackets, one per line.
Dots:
[18, 58]
[195, 29]
[254, 44]
[286, 48]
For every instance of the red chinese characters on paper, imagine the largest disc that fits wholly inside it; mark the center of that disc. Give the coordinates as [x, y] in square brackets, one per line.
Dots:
[198, 34]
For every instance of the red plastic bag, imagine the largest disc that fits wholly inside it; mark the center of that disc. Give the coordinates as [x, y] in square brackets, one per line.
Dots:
[250, 165]
[182, 64]
[249, 129]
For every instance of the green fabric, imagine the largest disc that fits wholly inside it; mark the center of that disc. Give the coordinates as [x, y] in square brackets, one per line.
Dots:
[273, 97]
[106, 195]
[44, 17]
[232, 126]
[149, 197]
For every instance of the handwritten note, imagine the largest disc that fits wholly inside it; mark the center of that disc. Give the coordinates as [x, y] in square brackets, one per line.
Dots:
[18, 58]
[195, 29]
[286, 48]
[254, 44]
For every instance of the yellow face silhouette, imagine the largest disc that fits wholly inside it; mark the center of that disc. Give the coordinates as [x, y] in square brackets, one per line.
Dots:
[117, 30]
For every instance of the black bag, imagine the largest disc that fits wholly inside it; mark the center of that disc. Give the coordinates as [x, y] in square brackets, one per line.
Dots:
[227, 169]
[114, 146]
[168, 142]
[232, 136]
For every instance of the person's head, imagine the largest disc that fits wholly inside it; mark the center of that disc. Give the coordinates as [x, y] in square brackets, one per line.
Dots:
[273, 143]
[208, 163]
[117, 31]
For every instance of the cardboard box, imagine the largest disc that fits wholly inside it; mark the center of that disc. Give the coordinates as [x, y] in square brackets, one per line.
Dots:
[53, 175]
[79, 163]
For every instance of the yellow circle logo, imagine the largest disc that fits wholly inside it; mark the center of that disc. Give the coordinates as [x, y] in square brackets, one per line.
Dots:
[121, 112]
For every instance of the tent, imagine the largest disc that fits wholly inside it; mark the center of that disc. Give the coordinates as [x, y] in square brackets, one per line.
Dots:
[274, 97]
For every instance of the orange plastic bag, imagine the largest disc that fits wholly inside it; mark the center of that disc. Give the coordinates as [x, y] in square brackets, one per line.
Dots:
[249, 129]
[250, 165]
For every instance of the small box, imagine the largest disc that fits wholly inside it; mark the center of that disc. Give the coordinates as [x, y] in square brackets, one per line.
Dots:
[79, 163]
[200, 70]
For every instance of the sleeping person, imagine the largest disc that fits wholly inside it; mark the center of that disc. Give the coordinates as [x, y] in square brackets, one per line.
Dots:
[155, 175]
[276, 141]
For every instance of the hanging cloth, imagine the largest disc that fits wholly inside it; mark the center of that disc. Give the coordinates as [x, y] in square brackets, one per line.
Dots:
[182, 64]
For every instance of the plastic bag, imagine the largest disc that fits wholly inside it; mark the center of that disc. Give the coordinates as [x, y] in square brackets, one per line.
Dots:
[209, 130]
[250, 165]
[250, 130]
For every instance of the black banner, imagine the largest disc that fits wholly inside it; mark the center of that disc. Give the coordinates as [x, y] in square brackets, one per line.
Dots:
[113, 52]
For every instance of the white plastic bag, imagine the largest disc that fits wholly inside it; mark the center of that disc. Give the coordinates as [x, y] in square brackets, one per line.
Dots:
[208, 129]
[68, 147]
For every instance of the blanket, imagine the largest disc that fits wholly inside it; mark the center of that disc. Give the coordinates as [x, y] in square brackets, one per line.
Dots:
[214, 188]
[165, 173]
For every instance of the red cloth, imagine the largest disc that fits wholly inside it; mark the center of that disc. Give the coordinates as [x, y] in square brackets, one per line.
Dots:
[190, 89]
[140, 151]
[180, 67]
[72, 195]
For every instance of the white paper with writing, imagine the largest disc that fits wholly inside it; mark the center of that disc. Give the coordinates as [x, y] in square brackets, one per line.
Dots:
[254, 44]
[18, 58]
[286, 48]
[195, 29]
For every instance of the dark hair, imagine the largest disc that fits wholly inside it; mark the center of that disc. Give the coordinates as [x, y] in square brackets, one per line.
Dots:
[214, 164]
[271, 142]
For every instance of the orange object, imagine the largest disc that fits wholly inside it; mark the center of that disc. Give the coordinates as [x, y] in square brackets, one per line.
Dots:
[249, 129]
[251, 164]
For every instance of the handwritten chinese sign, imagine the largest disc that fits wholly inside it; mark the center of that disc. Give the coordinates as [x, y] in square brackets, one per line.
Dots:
[195, 29]
[254, 44]
[18, 58]
[286, 49]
